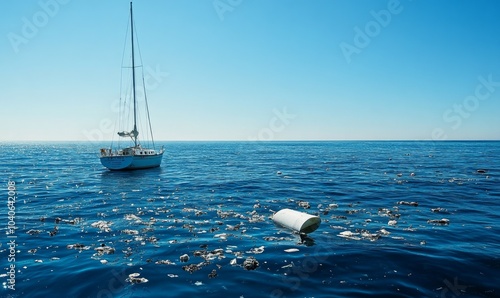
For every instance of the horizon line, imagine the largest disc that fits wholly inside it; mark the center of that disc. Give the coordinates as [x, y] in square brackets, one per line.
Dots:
[266, 141]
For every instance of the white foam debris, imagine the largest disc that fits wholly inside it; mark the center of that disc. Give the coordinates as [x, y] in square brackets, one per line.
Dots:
[384, 232]
[135, 279]
[130, 232]
[256, 250]
[370, 236]
[392, 222]
[349, 235]
[132, 217]
[193, 210]
[102, 225]
[398, 238]
[164, 262]
[304, 204]
[221, 236]
[101, 250]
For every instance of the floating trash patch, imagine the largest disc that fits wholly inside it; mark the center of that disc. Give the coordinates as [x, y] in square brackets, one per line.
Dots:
[185, 242]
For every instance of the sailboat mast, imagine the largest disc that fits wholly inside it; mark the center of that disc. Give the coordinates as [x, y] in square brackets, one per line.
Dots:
[133, 74]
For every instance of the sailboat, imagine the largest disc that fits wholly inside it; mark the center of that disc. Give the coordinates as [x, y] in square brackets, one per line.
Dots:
[135, 156]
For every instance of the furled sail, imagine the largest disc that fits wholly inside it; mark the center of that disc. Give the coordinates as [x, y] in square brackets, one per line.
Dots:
[132, 134]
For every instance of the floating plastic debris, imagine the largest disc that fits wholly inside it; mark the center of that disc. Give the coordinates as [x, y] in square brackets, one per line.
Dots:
[290, 250]
[221, 236]
[132, 217]
[408, 203]
[439, 209]
[256, 250]
[304, 204]
[384, 232]
[250, 263]
[273, 238]
[233, 228]
[370, 236]
[349, 235]
[68, 221]
[102, 225]
[135, 279]
[256, 217]
[184, 258]
[193, 210]
[410, 228]
[192, 267]
[130, 232]
[77, 246]
[210, 255]
[103, 249]
[54, 231]
[298, 221]
[212, 274]
[442, 221]
[165, 262]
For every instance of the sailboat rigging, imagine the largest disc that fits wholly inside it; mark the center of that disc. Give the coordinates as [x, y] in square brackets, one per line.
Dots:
[136, 156]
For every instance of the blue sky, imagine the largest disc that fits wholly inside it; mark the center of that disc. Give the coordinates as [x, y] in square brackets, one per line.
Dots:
[255, 70]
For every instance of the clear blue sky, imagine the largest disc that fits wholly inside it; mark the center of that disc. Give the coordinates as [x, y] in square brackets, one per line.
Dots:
[260, 69]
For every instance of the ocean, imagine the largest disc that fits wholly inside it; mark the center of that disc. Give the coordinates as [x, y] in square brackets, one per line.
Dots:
[398, 219]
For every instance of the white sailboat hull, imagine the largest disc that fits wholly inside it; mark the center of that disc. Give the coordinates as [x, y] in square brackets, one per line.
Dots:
[133, 162]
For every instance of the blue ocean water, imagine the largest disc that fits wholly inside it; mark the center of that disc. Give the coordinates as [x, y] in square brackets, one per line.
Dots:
[399, 219]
